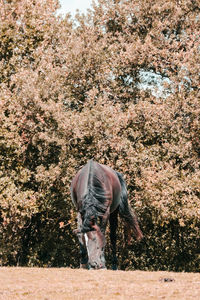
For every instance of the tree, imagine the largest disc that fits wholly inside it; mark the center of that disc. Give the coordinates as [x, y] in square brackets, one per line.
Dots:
[72, 90]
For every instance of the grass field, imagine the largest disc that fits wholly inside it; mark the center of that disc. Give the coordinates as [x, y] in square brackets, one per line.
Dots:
[59, 284]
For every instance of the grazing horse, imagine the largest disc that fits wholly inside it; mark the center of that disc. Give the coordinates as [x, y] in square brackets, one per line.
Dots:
[99, 194]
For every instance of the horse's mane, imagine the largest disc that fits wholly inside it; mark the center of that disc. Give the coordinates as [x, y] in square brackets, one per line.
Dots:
[94, 203]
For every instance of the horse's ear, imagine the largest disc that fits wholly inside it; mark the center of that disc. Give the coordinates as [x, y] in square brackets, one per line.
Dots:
[76, 231]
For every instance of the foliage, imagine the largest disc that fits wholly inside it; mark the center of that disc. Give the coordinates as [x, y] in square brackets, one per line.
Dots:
[75, 90]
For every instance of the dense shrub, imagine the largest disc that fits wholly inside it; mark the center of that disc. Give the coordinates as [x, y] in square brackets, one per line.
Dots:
[119, 85]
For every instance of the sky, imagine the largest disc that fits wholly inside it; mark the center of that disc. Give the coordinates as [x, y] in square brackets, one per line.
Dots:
[72, 5]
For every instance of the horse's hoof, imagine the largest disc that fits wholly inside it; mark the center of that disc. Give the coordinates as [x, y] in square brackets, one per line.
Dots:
[84, 266]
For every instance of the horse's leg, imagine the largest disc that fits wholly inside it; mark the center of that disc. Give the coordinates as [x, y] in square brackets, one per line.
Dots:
[113, 237]
[82, 243]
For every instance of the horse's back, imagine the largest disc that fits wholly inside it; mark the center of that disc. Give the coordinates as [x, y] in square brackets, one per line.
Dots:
[110, 183]
[105, 175]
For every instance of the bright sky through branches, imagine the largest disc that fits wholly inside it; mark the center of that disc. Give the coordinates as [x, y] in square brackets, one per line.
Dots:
[70, 6]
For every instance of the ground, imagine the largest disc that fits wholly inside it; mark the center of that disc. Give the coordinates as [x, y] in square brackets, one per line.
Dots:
[69, 284]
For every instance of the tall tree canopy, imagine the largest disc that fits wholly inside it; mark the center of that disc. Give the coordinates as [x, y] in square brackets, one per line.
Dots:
[120, 85]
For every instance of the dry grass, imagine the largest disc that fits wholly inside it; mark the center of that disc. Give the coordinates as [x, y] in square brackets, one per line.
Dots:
[58, 284]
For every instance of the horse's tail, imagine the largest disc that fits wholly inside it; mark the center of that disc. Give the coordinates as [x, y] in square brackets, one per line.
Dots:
[127, 213]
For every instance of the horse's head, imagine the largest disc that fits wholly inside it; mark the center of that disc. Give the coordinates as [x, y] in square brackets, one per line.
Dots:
[93, 213]
[95, 243]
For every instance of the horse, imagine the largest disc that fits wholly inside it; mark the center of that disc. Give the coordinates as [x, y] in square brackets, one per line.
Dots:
[99, 194]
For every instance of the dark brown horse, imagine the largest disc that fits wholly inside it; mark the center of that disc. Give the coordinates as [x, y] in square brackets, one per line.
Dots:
[99, 194]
